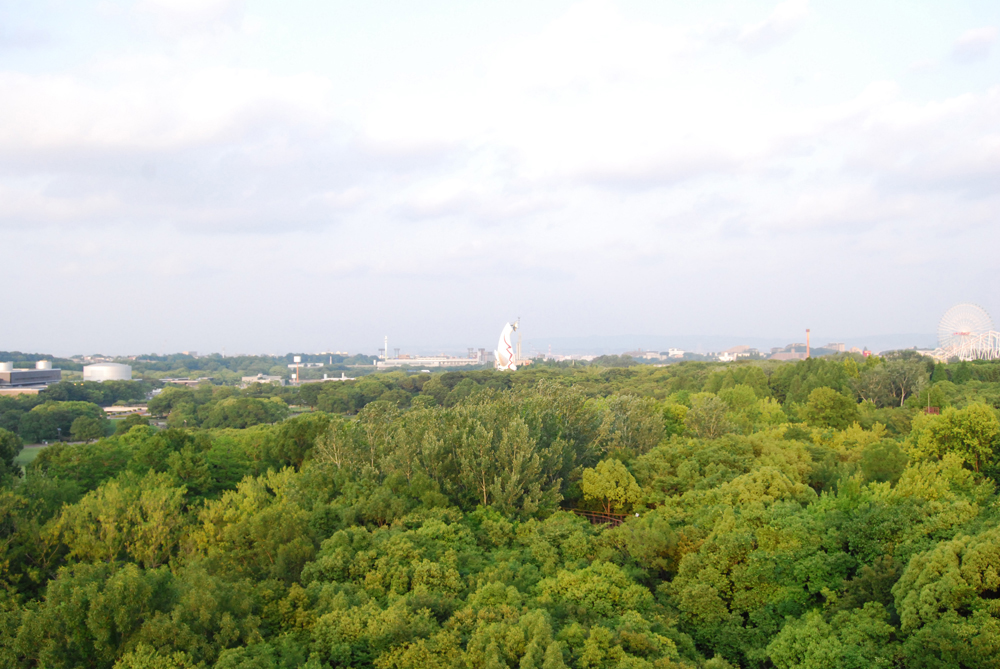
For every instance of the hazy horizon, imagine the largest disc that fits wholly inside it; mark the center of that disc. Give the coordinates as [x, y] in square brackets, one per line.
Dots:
[582, 345]
[227, 174]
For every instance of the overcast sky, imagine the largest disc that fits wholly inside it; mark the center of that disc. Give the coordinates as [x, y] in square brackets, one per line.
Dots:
[279, 176]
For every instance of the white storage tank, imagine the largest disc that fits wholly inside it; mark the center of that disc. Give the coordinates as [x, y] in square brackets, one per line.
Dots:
[6, 367]
[107, 371]
[43, 364]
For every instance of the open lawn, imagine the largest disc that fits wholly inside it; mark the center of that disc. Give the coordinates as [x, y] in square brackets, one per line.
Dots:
[28, 454]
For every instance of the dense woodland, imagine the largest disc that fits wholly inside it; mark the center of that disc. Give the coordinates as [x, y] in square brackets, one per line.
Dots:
[835, 512]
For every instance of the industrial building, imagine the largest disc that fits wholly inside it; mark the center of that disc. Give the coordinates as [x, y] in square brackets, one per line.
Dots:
[107, 371]
[28, 380]
[385, 361]
[262, 378]
[478, 358]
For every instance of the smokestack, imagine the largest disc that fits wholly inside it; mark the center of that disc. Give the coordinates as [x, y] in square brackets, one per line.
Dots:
[807, 342]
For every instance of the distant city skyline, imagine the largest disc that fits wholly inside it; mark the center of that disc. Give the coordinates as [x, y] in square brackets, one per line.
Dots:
[588, 345]
[246, 176]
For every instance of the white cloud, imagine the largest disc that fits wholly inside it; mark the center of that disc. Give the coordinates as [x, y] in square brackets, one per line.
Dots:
[974, 44]
[176, 18]
[607, 149]
[783, 21]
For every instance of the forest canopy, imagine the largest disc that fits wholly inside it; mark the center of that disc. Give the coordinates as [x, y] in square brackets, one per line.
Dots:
[835, 512]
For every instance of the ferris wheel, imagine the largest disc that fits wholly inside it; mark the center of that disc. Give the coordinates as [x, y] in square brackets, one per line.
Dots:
[963, 323]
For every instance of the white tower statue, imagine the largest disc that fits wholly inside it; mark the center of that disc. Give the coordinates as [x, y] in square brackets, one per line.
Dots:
[505, 352]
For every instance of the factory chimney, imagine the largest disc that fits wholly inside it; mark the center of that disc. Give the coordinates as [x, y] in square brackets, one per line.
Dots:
[807, 342]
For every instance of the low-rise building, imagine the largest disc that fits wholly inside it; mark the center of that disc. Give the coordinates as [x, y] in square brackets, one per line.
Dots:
[190, 383]
[41, 376]
[475, 358]
[342, 377]
[741, 351]
[261, 378]
[645, 355]
[120, 412]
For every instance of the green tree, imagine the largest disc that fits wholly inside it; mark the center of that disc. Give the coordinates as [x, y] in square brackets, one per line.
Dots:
[707, 417]
[50, 420]
[85, 428]
[611, 484]
[828, 408]
[129, 422]
[962, 373]
[90, 612]
[973, 433]
[629, 424]
[860, 639]
[242, 412]
[883, 461]
[145, 656]
[673, 419]
[10, 448]
[135, 517]
[258, 531]
[946, 602]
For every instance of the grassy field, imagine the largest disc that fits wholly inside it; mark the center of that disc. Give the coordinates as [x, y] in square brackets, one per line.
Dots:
[27, 455]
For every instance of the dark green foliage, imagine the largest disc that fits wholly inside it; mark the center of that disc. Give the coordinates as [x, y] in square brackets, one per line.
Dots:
[883, 461]
[86, 428]
[126, 424]
[10, 447]
[52, 420]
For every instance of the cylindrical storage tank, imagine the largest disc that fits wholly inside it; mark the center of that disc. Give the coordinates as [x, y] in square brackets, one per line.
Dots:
[43, 364]
[107, 371]
[6, 367]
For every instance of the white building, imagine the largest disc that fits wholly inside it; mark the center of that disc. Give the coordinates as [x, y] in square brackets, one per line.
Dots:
[262, 378]
[107, 371]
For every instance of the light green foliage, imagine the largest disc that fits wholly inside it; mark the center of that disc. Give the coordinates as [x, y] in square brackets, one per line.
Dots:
[258, 530]
[859, 639]
[611, 484]
[131, 516]
[973, 433]
[147, 657]
[961, 575]
[946, 600]
[601, 590]
[708, 417]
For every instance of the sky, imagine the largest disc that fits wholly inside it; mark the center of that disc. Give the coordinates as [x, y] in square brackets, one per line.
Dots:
[306, 176]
